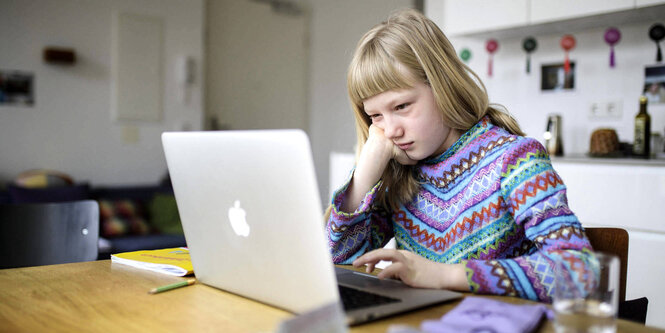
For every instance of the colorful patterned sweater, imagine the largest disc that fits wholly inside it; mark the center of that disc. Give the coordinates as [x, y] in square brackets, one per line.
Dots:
[492, 202]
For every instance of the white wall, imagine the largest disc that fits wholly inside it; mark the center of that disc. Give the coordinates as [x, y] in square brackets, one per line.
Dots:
[257, 64]
[70, 127]
[595, 81]
[335, 30]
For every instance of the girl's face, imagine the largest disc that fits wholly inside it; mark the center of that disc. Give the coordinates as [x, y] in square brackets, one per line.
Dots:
[411, 119]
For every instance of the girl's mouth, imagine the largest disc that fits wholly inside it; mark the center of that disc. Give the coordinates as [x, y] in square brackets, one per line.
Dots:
[405, 146]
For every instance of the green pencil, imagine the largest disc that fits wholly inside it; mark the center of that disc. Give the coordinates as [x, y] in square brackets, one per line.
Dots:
[172, 286]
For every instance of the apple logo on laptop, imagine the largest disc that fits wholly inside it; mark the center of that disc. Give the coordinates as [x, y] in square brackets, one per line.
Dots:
[237, 217]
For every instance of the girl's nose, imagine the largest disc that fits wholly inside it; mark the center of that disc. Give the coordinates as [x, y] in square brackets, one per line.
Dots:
[393, 129]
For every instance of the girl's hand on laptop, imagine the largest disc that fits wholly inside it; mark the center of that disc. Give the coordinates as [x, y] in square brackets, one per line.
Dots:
[415, 270]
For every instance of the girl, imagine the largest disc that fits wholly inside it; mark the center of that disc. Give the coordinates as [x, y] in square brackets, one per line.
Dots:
[472, 203]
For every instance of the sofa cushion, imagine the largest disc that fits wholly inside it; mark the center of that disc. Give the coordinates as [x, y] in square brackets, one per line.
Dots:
[164, 216]
[122, 217]
[18, 194]
[4, 197]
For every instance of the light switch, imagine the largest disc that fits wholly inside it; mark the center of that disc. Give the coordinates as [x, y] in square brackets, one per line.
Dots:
[130, 134]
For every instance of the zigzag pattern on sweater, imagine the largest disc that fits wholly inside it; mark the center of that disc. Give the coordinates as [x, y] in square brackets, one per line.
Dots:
[453, 171]
[539, 272]
[499, 245]
[440, 214]
[503, 281]
[460, 230]
[532, 188]
[545, 209]
[525, 154]
[562, 234]
[351, 241]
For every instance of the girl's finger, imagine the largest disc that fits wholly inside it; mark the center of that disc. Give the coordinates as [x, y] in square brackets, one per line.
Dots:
[391, 271]
[380, 254]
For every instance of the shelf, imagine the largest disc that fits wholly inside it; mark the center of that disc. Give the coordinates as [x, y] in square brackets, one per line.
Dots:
[640, 15]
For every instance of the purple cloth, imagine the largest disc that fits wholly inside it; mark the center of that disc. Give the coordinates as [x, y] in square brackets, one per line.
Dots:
[477, 314]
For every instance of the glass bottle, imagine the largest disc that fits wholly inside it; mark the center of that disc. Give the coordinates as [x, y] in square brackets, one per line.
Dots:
[641, 146]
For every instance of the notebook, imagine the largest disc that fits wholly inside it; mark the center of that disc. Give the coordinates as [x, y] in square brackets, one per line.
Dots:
[253, 220]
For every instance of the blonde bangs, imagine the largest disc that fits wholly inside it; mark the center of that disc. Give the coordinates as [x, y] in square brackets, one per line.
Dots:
[374, 72]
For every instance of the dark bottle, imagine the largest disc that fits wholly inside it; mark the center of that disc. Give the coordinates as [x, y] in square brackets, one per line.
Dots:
[642, 144]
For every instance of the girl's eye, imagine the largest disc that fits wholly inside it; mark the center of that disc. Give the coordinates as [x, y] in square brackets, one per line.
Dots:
[402, 106]
[374, 117]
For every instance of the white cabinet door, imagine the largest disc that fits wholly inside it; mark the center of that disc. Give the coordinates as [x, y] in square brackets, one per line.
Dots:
[627, 196]
[646, 269]
[456, 17]
[548, 11]
[646, 3]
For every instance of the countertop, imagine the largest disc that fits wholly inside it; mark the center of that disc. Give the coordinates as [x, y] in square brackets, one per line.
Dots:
[583, 158]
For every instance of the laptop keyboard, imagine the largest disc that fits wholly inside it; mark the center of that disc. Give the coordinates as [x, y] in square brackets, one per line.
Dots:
[356, 299]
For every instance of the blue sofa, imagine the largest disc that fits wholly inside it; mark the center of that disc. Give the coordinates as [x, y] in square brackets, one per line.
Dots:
[147, 196]
[154, 201]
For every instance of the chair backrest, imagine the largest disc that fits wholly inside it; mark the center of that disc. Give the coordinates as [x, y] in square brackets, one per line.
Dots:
[48, 233]
[613, 241]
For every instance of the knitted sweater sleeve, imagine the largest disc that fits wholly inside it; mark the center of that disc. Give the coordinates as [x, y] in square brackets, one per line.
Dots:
[535, 196]
[350, 235]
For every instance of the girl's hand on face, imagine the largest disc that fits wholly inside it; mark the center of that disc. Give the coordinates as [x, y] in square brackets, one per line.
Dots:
[374, 157]
[415, 270]
[378, 140]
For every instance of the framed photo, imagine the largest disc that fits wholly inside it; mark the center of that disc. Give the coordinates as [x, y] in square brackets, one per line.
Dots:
[654, 84]
[16, 88]
[553, 77]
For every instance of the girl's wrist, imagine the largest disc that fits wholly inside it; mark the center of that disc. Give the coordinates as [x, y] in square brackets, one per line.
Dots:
[453, 277]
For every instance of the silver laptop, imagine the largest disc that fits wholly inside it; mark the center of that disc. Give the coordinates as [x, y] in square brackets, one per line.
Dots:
[251, 213]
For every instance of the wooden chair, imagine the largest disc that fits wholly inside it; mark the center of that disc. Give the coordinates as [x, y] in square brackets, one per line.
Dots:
[48, 233]
[615, 241]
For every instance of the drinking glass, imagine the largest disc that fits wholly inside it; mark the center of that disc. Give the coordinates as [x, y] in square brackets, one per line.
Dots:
[591, 303]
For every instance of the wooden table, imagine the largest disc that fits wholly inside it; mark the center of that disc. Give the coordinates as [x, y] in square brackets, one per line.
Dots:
[103, 297]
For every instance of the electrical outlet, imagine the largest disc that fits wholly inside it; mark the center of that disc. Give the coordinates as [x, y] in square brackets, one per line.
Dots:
[605, 110]
[597, 110]
[614, 109]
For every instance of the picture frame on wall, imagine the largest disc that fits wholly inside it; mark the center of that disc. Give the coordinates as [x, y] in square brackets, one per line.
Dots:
[654, 84]
[554, 77]
[16, 88]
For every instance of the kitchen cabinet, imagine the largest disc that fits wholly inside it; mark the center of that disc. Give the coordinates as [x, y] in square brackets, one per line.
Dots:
[628, 194]
[547, 11]
[602, 191]
[646, 269]
[519, 18]
[460, 17]
[645, 3]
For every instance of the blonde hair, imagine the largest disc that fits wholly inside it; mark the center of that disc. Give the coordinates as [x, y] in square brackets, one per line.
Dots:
[406, 49]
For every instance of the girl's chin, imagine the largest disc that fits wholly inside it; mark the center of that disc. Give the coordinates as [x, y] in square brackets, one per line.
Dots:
[415, 157]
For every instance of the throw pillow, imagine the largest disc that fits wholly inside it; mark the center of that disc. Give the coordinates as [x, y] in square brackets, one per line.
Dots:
[164, 214]
[122, 217]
